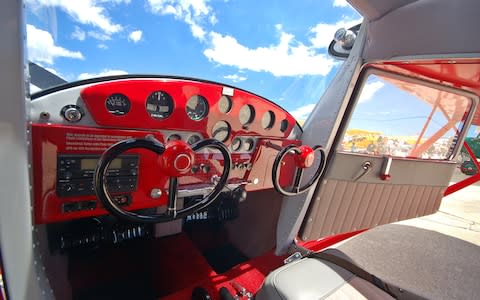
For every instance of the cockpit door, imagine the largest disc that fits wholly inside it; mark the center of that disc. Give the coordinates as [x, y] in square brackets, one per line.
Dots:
[393, 156]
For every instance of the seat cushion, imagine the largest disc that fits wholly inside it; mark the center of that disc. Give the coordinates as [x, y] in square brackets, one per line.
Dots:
[312, 278]
[424, 262]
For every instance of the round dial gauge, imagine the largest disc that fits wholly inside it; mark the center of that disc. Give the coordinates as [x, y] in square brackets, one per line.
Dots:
[174, 137]
[159, 105]
[193, 139]
[283, 125]
[247, 114]
[268, 120]
[236, 144]
[224, 104]
[221, 131]
[118, 104]
[248, 145]
[197, 107]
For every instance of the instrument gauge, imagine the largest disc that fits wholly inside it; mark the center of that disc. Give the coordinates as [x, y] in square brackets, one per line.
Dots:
[221, 131]
[248, 145]
[174, 137]
[224, 104]
[159, 105]
[118, 104]
[193, 139]
[197, 107]
[268, 119]
[247, 114]
[236, 144]
[284, 125]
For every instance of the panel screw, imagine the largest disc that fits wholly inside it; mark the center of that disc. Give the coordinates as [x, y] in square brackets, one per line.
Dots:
[44, 115]
[156, 193]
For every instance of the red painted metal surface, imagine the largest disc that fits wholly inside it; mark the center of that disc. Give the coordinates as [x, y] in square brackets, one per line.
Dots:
[462, 184]
[472, 155]
[468, 181]
[319, 245]
[250, 274]
[181, 91]
[48, 141]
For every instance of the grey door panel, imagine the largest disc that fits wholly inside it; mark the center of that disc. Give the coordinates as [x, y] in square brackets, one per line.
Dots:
[346, 166]
[342, 204]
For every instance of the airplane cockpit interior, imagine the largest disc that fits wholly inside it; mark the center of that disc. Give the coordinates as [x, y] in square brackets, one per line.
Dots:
[148, 186]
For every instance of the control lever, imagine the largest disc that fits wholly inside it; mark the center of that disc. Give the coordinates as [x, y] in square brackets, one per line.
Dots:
[226, 295]
[273, 146]
[241, 290]
[366, 167]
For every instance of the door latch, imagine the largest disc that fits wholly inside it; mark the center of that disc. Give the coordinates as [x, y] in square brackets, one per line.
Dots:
[366, 167]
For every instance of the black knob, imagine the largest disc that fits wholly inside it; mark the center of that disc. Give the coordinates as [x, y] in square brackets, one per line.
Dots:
[239, 194]
[199, 293]
[225, 294]
[205, 168]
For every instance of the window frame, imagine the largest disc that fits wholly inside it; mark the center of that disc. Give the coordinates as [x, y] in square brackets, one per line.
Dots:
[357, 92]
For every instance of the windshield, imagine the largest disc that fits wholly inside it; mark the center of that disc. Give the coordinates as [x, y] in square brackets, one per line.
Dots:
[275, 49]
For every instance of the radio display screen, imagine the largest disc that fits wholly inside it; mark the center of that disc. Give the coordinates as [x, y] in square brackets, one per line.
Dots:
[91, 163]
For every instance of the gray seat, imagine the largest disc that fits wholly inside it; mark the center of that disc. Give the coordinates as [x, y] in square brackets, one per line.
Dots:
[427, 263]
[312, 278]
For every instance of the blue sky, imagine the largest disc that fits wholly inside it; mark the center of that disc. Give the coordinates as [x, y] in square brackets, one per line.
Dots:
[277, 49]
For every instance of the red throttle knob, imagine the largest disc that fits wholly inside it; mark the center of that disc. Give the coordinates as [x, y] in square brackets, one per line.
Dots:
[305, 157]
[177, 160]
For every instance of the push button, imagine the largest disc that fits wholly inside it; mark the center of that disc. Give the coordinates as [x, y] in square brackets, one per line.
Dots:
[205, 168]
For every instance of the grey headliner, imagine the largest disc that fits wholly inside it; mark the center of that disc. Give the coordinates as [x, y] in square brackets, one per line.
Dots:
[375, 9]
[423, 27]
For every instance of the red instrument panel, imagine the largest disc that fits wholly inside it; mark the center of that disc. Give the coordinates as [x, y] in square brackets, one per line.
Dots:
[181, 91]
[134, 120]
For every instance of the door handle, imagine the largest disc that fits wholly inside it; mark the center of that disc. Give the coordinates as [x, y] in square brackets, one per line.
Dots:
[366, 167]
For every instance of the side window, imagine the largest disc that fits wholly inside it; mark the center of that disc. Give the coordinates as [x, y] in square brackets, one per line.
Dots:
[404, 118]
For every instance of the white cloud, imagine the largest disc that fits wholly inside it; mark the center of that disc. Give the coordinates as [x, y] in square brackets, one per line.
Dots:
[323, 33]
[301, 113]
[99, 36]
[84, 11]
[102, 46]
[135, 36]
[192, 12]
[105, 72]
[235, 77]
[197, 31]
[213, 19]
[180, 8]
[115, 1]
[340, 3]
[78, 34]
[287, 58]
[369, 90]
[42, 48]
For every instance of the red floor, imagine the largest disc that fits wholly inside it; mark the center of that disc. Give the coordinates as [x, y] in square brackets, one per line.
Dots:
[177, 266]
[184, 268]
